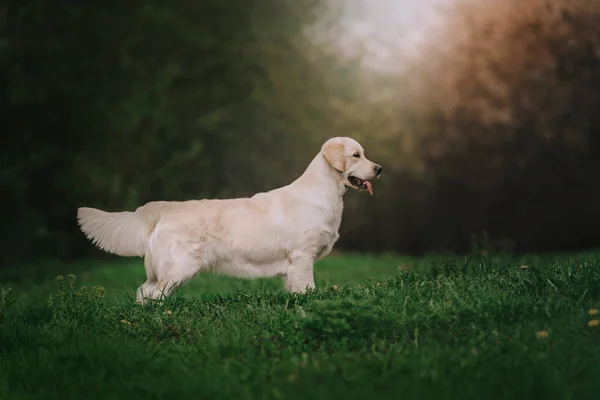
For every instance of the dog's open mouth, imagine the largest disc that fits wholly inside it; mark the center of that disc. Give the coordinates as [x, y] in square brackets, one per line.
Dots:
[361, 184]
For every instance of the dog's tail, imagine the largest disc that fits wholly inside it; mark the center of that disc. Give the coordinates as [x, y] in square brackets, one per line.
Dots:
[121, 233]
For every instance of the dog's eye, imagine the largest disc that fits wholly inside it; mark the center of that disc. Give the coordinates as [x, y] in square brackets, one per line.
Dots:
[357, 155]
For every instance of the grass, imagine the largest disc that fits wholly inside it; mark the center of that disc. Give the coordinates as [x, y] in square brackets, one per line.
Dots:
[382, 327]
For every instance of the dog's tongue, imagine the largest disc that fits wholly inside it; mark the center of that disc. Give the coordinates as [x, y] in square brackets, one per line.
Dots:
[369, 187]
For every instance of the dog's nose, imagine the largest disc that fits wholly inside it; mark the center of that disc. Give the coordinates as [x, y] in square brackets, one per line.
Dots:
[377, 169]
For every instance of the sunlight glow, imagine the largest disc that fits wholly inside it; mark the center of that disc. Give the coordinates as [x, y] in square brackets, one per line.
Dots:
[383, 32]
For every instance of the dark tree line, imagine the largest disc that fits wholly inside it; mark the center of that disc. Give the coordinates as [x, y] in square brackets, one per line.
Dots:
[115, 104]
[112, 105]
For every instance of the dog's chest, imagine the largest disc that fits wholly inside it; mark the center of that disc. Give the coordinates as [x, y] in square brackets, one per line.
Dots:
[335, 219]
[325, 230]
[327, 215]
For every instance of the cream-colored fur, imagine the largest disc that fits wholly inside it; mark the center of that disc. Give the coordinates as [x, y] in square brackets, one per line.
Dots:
[277, 233]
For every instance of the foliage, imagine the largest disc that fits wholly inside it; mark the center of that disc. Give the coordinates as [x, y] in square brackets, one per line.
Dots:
[513, 147]
[111, 107]
[493, 128]
[495, 326]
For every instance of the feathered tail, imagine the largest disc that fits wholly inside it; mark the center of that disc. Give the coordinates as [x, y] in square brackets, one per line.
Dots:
[121, 233]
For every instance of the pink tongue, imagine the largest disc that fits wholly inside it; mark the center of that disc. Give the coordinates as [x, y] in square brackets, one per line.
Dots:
[369, 187]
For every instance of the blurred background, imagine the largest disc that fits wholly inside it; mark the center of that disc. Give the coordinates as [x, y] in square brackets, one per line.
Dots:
[484, 114]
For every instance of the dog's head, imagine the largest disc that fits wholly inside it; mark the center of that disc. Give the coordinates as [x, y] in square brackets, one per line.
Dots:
[347, 156]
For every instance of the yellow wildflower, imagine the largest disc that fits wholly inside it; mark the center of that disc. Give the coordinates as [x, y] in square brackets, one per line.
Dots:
[541, 334]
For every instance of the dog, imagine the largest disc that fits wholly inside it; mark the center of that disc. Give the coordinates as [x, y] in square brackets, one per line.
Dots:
[278, 233]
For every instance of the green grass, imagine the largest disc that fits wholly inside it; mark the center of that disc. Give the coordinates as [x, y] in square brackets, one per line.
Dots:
[381, 327]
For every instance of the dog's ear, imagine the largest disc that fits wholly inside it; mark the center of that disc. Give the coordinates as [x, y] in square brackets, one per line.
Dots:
[334, 154]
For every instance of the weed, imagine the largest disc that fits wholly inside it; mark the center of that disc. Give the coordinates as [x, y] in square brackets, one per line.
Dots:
[6, 300]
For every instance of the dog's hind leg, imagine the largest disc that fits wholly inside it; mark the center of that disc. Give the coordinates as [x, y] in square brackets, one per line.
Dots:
[147, 287]
[174, 271]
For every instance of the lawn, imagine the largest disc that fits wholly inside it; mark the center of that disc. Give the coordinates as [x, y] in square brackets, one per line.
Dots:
[500, 326]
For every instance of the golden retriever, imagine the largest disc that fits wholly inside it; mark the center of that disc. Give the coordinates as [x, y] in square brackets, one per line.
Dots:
[281, 232]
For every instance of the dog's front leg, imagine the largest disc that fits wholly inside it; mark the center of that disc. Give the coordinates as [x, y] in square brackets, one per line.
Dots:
[300, 275]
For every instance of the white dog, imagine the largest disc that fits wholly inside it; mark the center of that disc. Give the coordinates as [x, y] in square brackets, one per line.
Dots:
[277, 233]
